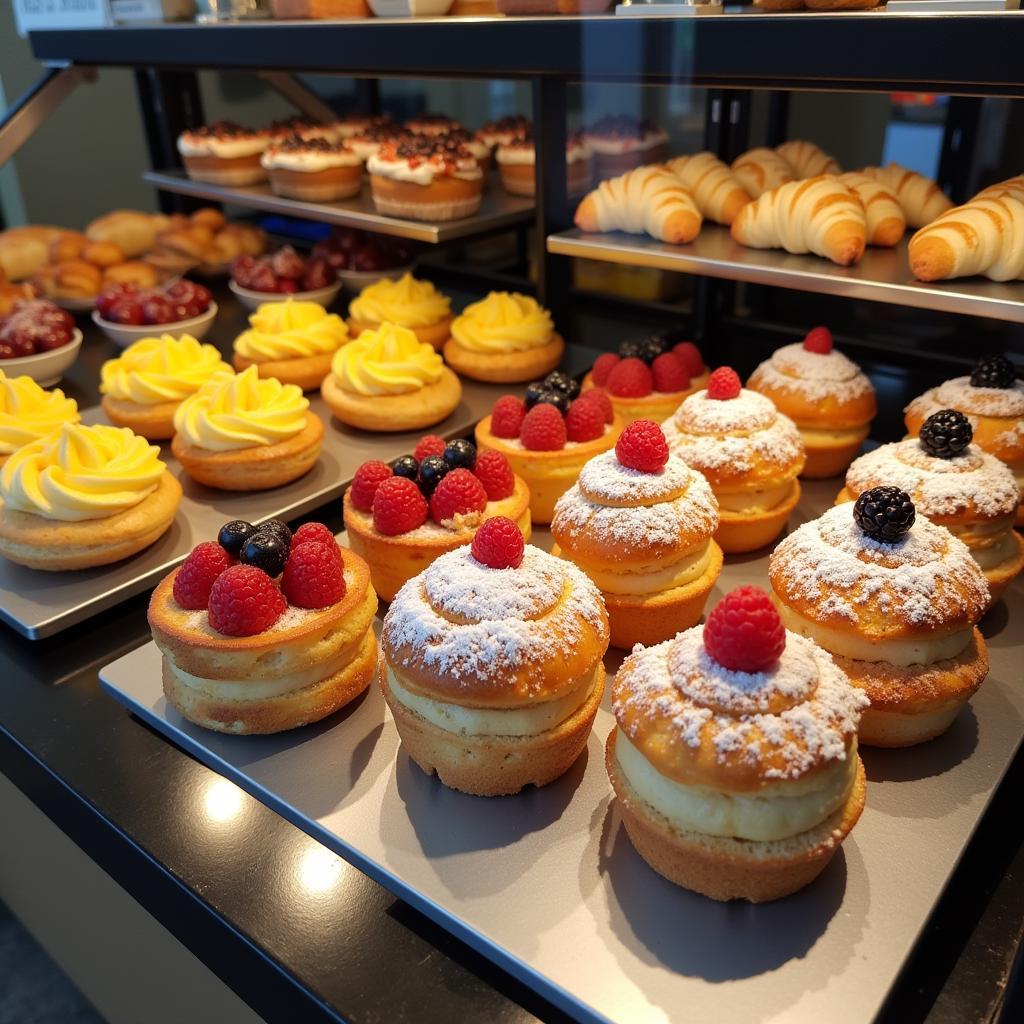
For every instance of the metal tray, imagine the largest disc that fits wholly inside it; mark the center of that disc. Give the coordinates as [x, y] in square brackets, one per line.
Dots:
[548, 885]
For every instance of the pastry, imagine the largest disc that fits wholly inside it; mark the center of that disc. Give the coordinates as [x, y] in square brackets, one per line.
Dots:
[303, 127]
[72, 279]
[24, 250]
[315, 170]
[716, 190]
[620, 143]
[750, 453]
[921, 198]
[418, 517]
[204, 240]
[367, 142]
[882, 211]
[425, 179]
[826, 395]
[477, 147]
[504, 338]
[137, 273]
[84, 496]
[517, 161]
[351, 124]
[955, 484]
[807, 159]
[431, 125]
[760, 170]
[388, 380]
[407, 302]
[894, 599]
[277, 640]
[1010, 187]
[293, 341]
[11, 294]
[224, 153]
[504, 130]
[734, 758]
[492, 664]
[133, 231]
[28, 413]
[68, 245]
[143, 387]
[639, 522]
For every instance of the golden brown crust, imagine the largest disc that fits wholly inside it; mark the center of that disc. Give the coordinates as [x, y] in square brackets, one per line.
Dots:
[153, 422]
[326, 185]
[434, 335]
[306, 372]
[739, 532]
[445, 198]
[389, 413]
[825, 459]
[997, 435]
[657, 406]
[505, 367]
[830, 412]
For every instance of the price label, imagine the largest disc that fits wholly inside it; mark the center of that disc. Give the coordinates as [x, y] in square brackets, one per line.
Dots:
[31, 15]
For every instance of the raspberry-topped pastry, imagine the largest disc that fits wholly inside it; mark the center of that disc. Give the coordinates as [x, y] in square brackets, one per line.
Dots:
[224, 153]
[313, 168]
[493, 664]
[403, 516]
[264, 630]
[750, 453]
[735, 757]
[517, 160]
[895, 599]
[825, 394]
[639, 522]
[620, 143]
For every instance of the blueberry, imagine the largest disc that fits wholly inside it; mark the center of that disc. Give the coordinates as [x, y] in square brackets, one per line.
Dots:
[265, 551]
[460, 454]
[407, 466]
[233, 535]
[276, 528]
[559, 399]
[433, 469]
[534, 391]
[558, 381]
[651, 348]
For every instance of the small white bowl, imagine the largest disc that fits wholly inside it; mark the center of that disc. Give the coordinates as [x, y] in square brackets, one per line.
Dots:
[253, 300]
[357, 280]
[124, 335]
[45, 368]
[77, 305]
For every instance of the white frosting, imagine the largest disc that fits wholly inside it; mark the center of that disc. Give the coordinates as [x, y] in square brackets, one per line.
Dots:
[227, 148]
[423, 174]
[308, 160]
[958, 393]
[611, 145]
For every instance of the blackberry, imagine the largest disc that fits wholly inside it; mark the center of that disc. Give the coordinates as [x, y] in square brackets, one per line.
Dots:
[407, 466]
[559, 399]
[884, 513]
[460, 454]
[233, 535]
[265, 551]
[433, 469]
[558, 381]
[275, 528]
[533, 392]
[946, 433]
[994, 372]
[651, 349]
[629, 350]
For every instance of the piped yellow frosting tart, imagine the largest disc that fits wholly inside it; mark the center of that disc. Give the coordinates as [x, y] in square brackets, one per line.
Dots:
[29, 412]
[407, 302]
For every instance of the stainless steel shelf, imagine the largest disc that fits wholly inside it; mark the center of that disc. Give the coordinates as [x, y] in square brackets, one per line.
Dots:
[498, 209]
[883, 275]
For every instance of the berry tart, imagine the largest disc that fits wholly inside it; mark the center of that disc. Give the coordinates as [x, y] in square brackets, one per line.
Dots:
[992, 398]
[314, 169]
[493, 664]
[403, 516]
[431, 125]
[224, 153]
[548, 437]
[406, 302]
[28, 413]
[425, 179]
[639, 522]
[504, 130]
[825, 394]
[505, 338]
[263, 630]
[517, 161]
[620, 143]
[84, 496]
[734, 759]
[894, 599]
[750, 453]
[955, 484]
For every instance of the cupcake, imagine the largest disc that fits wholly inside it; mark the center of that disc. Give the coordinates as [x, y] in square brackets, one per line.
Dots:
[351, 124]
[301, 126]
[734, 757]
[27, 413]
[639, 522]
[313, 169]
[894, 599]
[84, 496]
[406, 302]
[620, 143]
[517, 160]
[388, 380]
[366, 142]
[474, 143]
[431, 125]
[293, 341]
[143, 387]
[825, 394]
[504, 338]
[493, 664]
[504, 130]
[224, 153]
[750, 453]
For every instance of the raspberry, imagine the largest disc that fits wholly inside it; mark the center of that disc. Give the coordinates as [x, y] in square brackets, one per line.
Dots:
[369, 476]
[819, 340]
[724, 383]
[603, 366]
[631, 378]
[499, 544]
[398, 507]
[600, 398]
[669, 373]
[429, 445]
[744, 632]
[642, 446]
[507, 416]
[244, 602]
[459, 493]
[198, 573]
[584, 421]
[690, 356]
[315, 532]
[314, 575]
[543, 429]
[494, 472]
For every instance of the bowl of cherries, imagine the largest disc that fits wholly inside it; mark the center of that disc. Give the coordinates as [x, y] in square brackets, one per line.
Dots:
[283, 275]
[360, 258]
[38, 339]
[126, 312]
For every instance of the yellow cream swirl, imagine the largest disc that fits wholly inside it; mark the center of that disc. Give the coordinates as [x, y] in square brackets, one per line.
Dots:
[164, 369]
[406, 301]
[503, 322]
[81, 472]
[290, 330]
[246, 411]
[27, 412]
[387, 361]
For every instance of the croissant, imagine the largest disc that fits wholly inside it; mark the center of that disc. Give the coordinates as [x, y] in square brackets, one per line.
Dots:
[649, 199]
[1011, 187]
[716, 190]
[886, 223]
[922, 200]
[807, 159]
[985, 236]
[819, 215]
[759, 170]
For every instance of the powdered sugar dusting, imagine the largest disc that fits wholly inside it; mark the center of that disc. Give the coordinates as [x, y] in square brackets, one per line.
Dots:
[812, 374]
[959, 394]
[700, 414]
[604, 479]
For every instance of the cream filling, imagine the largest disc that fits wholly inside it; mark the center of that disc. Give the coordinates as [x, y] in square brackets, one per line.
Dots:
[777, 811]
[815, 438]
[656, 580]
[751, 502]
[1002, 551]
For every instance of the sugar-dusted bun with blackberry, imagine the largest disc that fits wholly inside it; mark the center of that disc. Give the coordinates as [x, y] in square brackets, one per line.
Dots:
[750, 453]
[825, 394]
[224, 153]
[639, 522]
[734, 757]
[313, 168]
[493, 664]
[895, 599]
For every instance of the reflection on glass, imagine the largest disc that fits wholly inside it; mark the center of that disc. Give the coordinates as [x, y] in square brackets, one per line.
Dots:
[222, 800]
[319, 870]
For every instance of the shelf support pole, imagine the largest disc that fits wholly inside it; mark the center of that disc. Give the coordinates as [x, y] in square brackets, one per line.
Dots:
[549, 118]
[305, 100]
